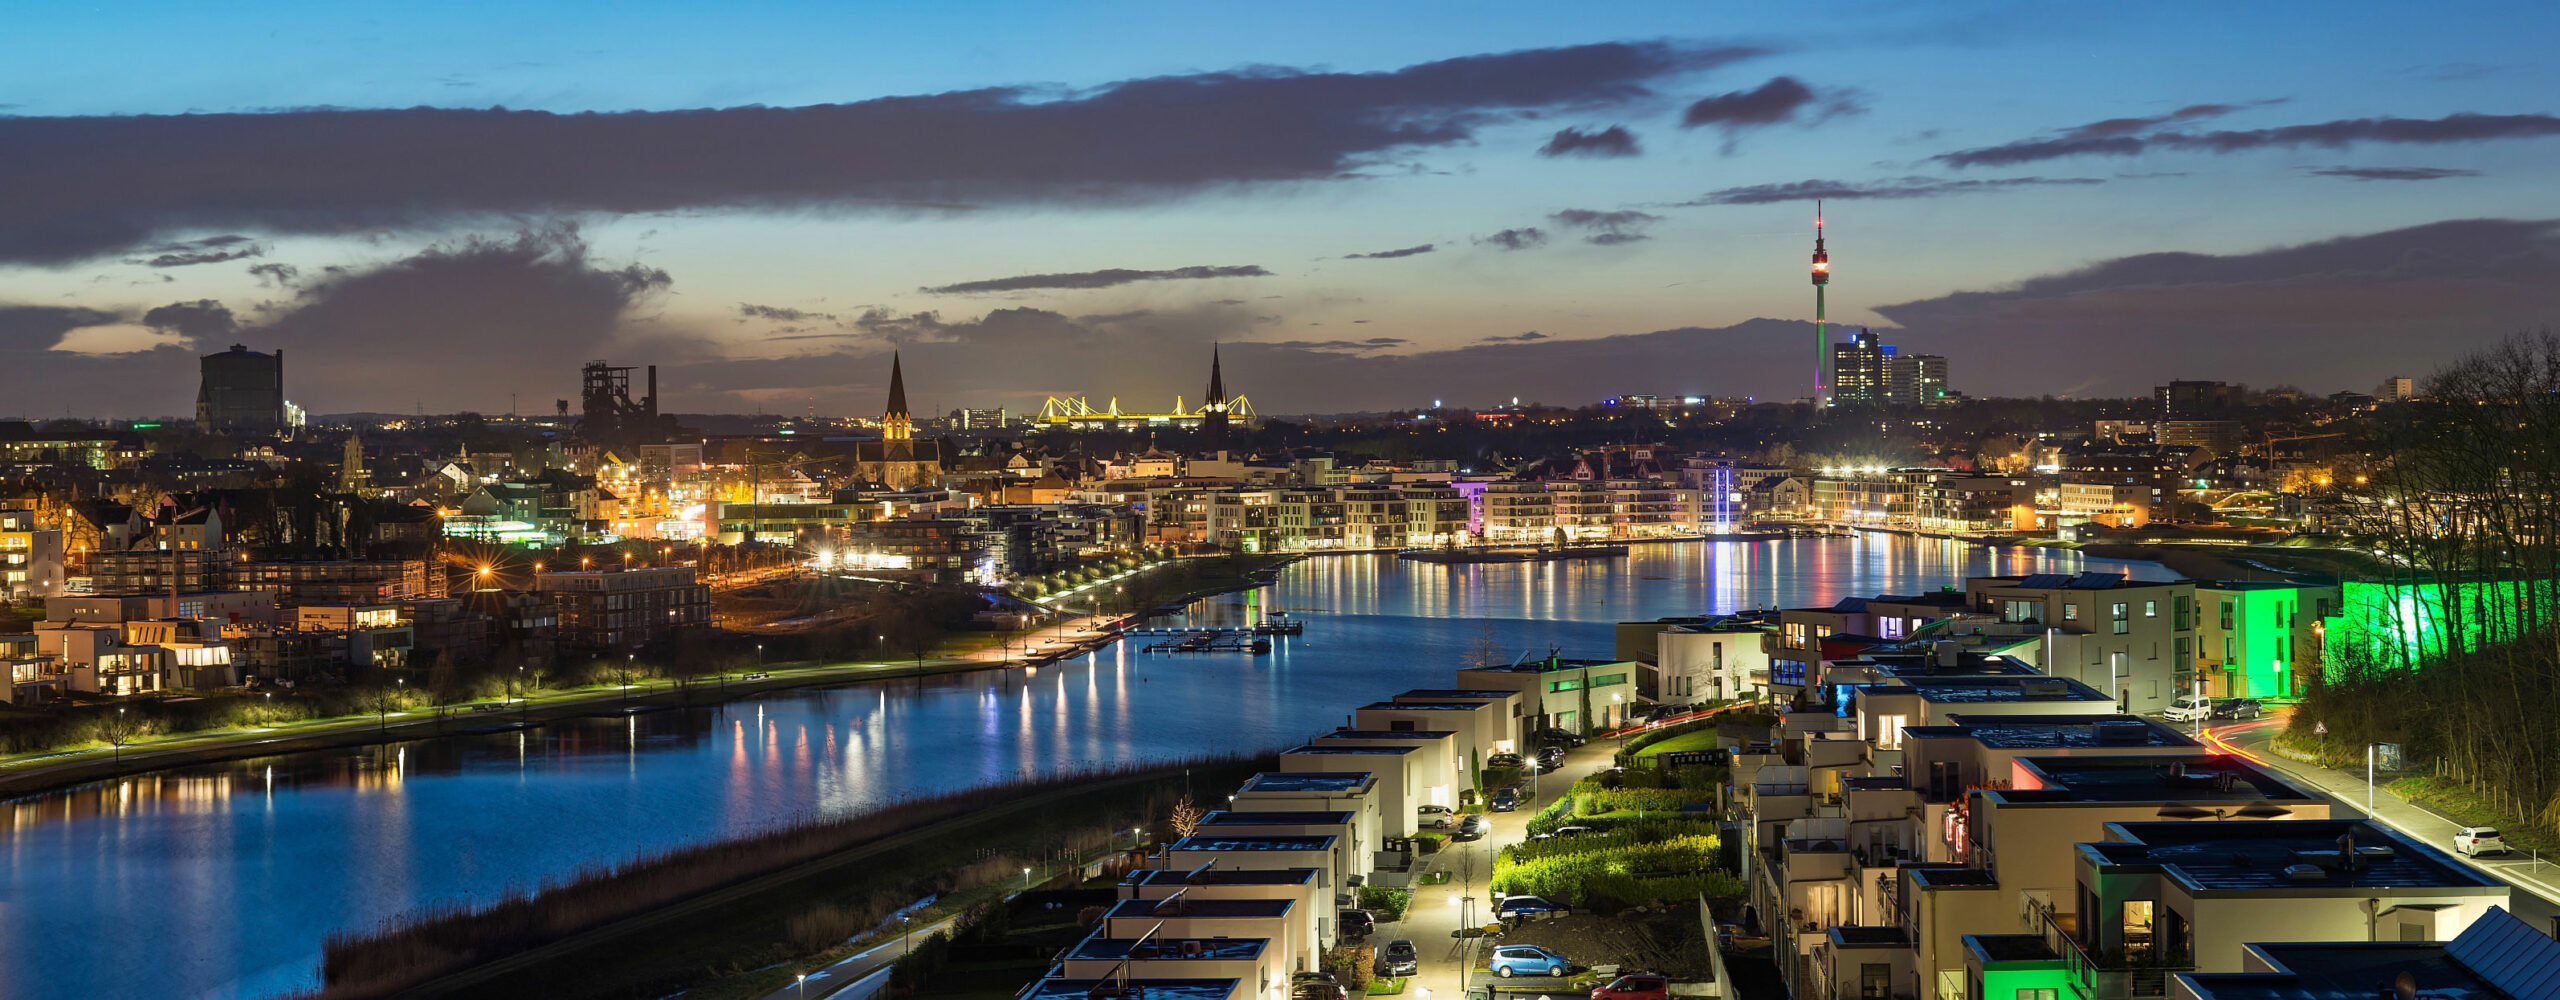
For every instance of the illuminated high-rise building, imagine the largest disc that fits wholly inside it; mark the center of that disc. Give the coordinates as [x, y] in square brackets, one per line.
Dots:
[1858, 370]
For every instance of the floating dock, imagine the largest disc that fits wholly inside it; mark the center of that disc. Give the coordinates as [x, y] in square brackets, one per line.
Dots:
[1513, 555]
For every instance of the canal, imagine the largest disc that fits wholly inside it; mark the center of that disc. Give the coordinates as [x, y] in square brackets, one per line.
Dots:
[222, 880]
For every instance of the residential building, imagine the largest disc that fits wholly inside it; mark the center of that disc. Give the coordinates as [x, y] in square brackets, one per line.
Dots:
[1479, 724]
[96, 659]
[1576, 695]
[1398, 772]
[1441, 760]
[621, 609]
[31, 558]
[1517, 511]
[2260, 638]
[34, 674]
[2496, 956]
[2135, 639]
[934, 551]
[1691, 660]
[1917, 380]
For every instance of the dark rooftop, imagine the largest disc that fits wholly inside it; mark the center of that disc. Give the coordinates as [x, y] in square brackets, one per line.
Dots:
[1994, 689]
[1273, 817]
[1219, 876]
[1416, 735]
[2498, 957]
[1853, 937]
[1197, 842]
[1188, 907]
[1373, 751]
[2011, 947]
[1153, 989]
[2020, 732]
[2149, 778]
[1456, 693]
[2283, 854]
[1426, 706]
[1167, 948]
[1969, 663]
[1549, 664]
[1306, 781]
[1951, 878]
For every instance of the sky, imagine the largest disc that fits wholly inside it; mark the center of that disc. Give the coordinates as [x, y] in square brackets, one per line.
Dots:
[1363, 206]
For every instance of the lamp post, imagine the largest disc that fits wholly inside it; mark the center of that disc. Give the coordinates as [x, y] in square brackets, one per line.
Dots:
[1026, 880]
[2369, 756]
[802, 984]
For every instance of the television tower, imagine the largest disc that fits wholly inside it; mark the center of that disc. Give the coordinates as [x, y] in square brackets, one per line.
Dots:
[1821, 281]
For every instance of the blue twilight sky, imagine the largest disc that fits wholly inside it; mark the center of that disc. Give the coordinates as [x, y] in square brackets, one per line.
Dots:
[417, 202]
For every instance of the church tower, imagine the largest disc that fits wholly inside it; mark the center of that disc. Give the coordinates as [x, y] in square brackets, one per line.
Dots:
[895, 423]
[1213, 408]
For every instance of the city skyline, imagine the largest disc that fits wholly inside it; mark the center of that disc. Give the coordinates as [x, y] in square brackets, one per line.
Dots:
[1367, 215]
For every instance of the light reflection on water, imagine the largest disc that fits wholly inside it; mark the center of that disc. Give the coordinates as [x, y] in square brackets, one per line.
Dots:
[222, 880]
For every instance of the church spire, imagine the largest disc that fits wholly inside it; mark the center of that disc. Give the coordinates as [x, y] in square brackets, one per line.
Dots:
[895, 423]
[1213, 410]
[1217, 385]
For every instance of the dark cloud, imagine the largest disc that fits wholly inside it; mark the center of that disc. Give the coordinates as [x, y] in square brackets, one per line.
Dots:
[785, 314]
[1614, 141]
[2395, 173]
[1606, 228]
[2130, 136]
[1336, 346]
[1410, 251]
[1516, 338]
[202, 323]
[1524, 238]
[28, 329]
[278, 272]
[2339, 313]
[75, 188]
[210, 250]
[1900, 187]
[1099, 279]
[464, 323]
[1782, 99]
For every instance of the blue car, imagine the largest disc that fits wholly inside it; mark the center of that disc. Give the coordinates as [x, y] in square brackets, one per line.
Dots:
[1528, 960]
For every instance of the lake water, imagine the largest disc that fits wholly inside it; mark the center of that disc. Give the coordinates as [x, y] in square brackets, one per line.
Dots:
[222, 880]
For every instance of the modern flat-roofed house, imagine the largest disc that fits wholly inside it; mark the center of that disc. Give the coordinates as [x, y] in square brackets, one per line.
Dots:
[1302, 888]
[1578, 696]
[2135, 640]
[1180, 916]
[1699, 659]
[1396, 769]
[1443, 764]
[2260, 638]
[1479, 724]
[1251, 962]
[1286, 791]
[2497, 956]
[2166, 897]
[1883, 711]
[1352, 856]
[1509, 737]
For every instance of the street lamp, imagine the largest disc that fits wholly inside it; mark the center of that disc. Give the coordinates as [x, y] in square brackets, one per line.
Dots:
[802, 984]
[1026, 880]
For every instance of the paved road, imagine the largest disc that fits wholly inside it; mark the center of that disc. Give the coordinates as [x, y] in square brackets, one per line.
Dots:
[1437, 910]
[859, 974]
[2537, 883]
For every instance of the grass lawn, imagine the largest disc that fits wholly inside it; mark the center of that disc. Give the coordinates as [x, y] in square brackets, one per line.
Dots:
[2454, 799]
[1704, 739]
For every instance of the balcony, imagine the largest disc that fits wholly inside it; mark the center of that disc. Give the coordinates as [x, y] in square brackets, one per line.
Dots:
[2136, 973]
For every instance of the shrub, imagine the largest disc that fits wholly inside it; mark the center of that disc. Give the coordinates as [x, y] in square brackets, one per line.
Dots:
[1429, 843]
[1353, 965]
[1386, 903]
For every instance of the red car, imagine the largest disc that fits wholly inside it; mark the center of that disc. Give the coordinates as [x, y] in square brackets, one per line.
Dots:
[1637, 987]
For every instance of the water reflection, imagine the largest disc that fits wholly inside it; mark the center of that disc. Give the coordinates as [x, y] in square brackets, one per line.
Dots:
[233, 900]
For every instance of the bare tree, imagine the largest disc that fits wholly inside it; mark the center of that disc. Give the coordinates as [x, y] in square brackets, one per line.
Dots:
[122, 729]
[1185, 818]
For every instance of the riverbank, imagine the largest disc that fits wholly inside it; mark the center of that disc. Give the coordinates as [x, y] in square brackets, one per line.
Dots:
[740, 918]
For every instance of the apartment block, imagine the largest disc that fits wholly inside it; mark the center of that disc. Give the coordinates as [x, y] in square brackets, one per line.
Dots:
[2134, 639]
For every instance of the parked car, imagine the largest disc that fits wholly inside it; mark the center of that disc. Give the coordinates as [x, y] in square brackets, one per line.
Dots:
[2238, 708]
[1474, 826]
[1640, 986]
[1528, 960]
[1316, 986]
[2473, 841]
[1571, 831]
[1504, 760]
[1564, 736]
[2188, 708]
[1514, 909]
[1550, 757]
[1505, 800]
[1399, 958]
[1357, 924]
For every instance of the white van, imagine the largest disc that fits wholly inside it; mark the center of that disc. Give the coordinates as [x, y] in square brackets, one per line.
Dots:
[2188, 708]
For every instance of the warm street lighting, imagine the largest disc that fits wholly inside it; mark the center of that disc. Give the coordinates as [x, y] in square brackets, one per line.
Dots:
[802, 984]
[1026, 879]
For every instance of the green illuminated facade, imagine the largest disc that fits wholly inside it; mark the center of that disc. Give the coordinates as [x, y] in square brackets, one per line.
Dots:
[2020, 967]
[2259, 639]
[2404, 625]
